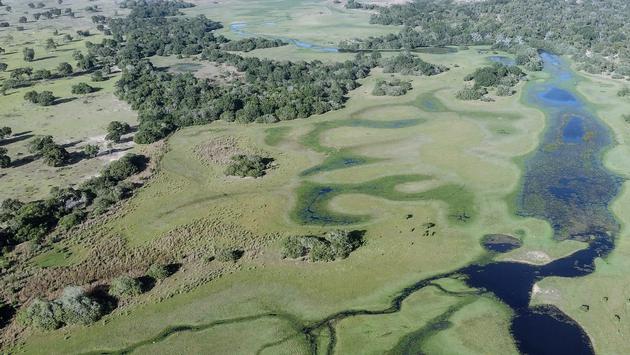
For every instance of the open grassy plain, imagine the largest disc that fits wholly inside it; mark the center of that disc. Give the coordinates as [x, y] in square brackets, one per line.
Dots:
[424, 133]
[424, 175]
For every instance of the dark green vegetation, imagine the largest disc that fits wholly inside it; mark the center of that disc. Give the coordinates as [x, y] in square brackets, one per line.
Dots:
[594, 32]
[125, 286]
[73, 307]
[52, 153]
[498, 76]
[407, 64]
[82, 89]
[249, 44]
[313, 199]
[337, 244]
[248, 166]
[44, 98]
[394, 87]
[115, 131]
[67, 206]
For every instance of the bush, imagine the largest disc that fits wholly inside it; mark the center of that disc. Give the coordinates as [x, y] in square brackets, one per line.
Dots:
[158, 272]
[293, 247]
[45, 98]
[91, 150]
[337, 244]
[73, 307]
[395, 87]
[248, 165]
[125, 286]
[70, 220]
[470, 93]
[41, 314]
[124, 167]
[79, 308]
[228, 254]
[82, 89]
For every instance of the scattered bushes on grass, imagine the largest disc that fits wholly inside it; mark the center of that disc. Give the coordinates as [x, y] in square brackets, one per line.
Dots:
[248, 165]
[331, 246]
[73, 307]
[394, 87]
[125, 286]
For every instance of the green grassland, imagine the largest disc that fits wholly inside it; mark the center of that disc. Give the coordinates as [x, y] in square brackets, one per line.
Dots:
[421, 158]
[457, 146]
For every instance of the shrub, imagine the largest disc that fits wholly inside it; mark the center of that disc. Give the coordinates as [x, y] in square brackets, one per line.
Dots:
[41, 314]
[158, 272]
[116, 129]
[78, 308]
[125, 286]
[228, 254]
[82, 89]
[70, 220]
[293, 247]
[470, 93]
[73, 307]
[124, 167]
[248, 165]
[91, 150]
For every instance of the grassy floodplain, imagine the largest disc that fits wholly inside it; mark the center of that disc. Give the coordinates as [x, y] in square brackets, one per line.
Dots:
[456, 144]
[409, 146]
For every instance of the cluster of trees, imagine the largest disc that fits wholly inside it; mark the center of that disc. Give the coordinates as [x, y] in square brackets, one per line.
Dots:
[73, 307]
[154, 8]
[23, 77]
[408, 64]
[331, 246]
[598, 42]
[115, 131]
[248, 166]
[498, 76]
[353, 4]
[395, 87]
[82, 89]
[148, 36]
[66, 207]
[249, 44]
[52, 153]
[5, 160]
[44, 98]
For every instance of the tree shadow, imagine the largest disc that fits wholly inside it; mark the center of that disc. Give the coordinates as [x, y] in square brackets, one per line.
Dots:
[23, 161]
[64, 100]
[44, 58]
[6, 313]
[15, 139]
[107, 301]
[70, 144]
[147, 283]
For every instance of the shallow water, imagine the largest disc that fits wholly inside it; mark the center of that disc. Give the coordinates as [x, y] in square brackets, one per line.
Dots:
[565, 183]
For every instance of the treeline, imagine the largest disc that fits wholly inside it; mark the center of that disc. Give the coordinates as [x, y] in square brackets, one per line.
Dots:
[595, 32]
[249, 44]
